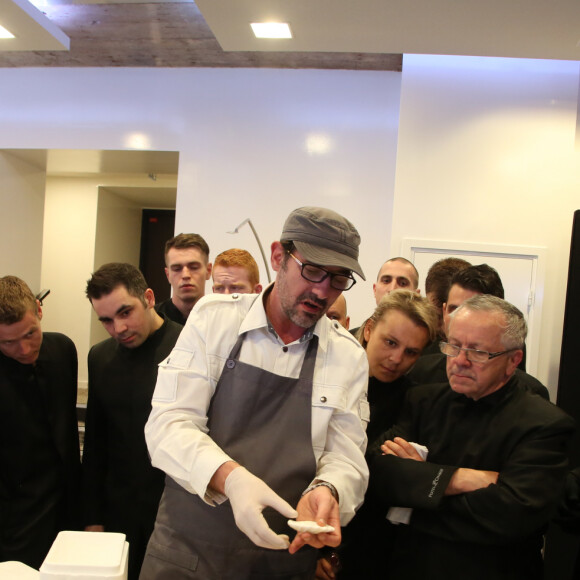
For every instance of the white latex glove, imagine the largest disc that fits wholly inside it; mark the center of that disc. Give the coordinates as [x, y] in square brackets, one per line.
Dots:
[248, 496]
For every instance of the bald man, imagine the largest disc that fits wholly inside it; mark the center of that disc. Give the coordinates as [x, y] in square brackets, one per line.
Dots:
[338, 312]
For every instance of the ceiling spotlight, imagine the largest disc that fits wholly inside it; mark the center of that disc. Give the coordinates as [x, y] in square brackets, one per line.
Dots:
[137, 141]
[271, 30]
[5, 33]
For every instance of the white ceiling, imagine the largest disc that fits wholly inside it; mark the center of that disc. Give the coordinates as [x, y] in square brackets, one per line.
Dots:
[343, 31]
[88, 162]
[506, 28]
[32, 30]
[146, 178]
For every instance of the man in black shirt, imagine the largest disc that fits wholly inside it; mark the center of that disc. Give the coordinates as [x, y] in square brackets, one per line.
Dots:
[39, 443]
[395, 274]
[496, 460]
[121, 490]
[468, 282]
[187, 268]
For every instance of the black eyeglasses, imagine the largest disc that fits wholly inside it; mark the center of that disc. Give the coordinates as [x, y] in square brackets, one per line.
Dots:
[317, 274]
[471, 354]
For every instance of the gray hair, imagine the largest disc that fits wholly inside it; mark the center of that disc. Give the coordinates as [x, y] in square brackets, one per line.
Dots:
[514, 328]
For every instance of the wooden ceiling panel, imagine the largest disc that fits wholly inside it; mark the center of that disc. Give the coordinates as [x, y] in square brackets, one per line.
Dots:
[166, 35]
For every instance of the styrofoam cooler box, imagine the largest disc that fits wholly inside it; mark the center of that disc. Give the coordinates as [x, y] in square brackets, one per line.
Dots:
[17, 571]
[86, 556]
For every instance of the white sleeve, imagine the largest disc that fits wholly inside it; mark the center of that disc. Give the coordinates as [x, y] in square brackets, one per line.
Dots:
[342, 461]
[176, 432]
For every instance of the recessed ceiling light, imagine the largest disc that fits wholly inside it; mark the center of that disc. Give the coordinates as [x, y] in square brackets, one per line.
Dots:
[318, 144]
[5, 33]
[271, 29]
[138, 141]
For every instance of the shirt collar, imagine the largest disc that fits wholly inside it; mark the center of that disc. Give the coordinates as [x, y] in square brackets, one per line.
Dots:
[256, 318]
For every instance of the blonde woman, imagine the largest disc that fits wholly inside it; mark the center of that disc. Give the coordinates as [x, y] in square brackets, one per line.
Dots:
[401, 326]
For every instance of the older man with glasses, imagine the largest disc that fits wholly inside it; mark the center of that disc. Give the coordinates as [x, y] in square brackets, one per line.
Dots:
[496, 458]
[468, 282]
[262, 405]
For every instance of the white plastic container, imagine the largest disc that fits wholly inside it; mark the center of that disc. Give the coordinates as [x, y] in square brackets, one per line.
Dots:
[86, 556]
[17, 571]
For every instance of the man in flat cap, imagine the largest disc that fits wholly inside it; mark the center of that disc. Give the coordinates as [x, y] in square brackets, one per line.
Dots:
[261, 407]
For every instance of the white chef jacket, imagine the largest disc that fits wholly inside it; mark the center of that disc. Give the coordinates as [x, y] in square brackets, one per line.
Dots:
[176, 431]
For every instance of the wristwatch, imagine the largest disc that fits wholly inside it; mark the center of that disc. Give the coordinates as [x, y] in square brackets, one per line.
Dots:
[325, 484]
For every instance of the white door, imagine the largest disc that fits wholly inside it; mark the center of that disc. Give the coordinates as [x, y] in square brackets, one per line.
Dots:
[521, 269]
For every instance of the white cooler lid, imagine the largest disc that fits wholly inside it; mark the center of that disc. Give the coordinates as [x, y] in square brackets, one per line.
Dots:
[86, 555]
[17, 571]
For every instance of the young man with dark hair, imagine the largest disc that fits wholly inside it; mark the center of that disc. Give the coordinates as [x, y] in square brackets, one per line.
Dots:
[439, 278]
[39, 442]
[121, 490]
[187, 268]
[396, 274]
[480, 279]
[437, 284]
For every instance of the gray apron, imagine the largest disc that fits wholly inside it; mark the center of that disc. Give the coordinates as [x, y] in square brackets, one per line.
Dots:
[263, 421]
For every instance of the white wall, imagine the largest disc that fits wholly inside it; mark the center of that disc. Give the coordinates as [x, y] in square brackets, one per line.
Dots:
[486, 154]
[85, 226]
[21, 219]
[485, 151]
[242, 136]
[69, 249]
[118, 236]
[255, 160]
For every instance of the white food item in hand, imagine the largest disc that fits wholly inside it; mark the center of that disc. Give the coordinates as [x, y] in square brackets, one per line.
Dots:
[310, 527]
